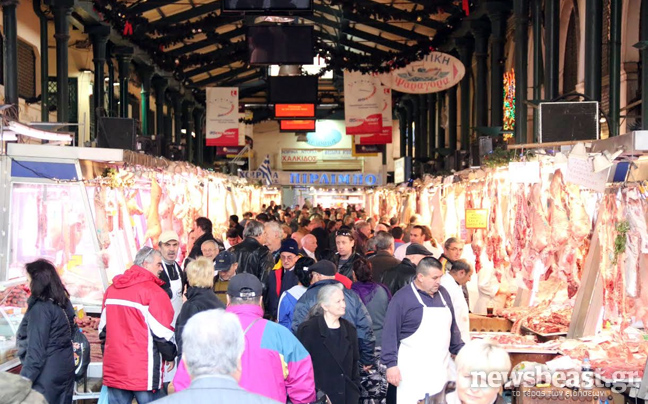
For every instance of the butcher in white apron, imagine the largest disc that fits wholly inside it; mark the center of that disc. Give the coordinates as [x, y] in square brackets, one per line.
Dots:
[421, 335]
[173, 280]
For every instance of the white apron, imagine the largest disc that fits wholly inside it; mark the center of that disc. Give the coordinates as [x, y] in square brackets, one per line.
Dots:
[424, 357]
[176, 302]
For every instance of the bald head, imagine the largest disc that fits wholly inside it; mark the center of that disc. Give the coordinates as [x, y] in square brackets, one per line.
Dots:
[309, 243]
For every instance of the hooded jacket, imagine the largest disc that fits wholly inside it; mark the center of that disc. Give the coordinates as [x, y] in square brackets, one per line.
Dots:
[356, 313]
[135, 329]
[253, 258]
[274, 363]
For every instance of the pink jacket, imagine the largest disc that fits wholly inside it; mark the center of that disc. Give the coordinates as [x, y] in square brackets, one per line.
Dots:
[274, 364]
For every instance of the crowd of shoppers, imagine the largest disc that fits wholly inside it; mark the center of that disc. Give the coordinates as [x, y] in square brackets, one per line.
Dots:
[318, 302]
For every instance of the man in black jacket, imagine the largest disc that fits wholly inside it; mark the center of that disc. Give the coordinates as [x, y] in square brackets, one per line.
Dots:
[356, 313]
[203, 230]
[252, 256]
[384, 259]
[403, 274]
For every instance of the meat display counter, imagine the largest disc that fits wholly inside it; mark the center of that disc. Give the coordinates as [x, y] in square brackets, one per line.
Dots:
[13, 304]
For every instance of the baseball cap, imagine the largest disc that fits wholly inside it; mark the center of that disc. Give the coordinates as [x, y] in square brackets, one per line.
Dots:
[324, 267]
[224, 261]
[417, 249]
[168, 235]
[245, 286]
[289, 245]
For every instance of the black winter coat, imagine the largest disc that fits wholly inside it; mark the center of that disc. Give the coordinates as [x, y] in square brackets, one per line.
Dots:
[356, 313]
[347, 268]
[399, 276]
[198, 299]
[253, 258]
[44, 342]
[338, 377]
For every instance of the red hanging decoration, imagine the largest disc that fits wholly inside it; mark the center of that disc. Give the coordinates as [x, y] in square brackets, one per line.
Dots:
[466, 7]
[128, 29]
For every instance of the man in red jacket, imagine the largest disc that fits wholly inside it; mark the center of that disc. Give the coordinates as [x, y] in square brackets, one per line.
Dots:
[136, 332]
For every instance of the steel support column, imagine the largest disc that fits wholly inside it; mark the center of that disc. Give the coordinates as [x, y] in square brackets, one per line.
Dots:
[402, 129]
[498, 16]
[643, 37]
[465, 46]
[552, 47]
[422, 127]
[187, 117]
[199, 114]
[537, 62]
[521, 11]
[481, 33]
[111, 81]
[432, 124]
[44, 56]
[593, 45]
[62, 10]
[160, 85]
[10, 27]
[177, 117]
[616, 11]
[452, 117]
[124, 57]
[99, 37]
[440, 130]
[145, 74]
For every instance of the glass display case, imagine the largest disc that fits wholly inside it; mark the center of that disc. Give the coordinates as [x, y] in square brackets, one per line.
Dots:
[53, 221]
[13, 304]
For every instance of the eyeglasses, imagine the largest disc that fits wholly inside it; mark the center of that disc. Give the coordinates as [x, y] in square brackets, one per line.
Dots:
[455, 249]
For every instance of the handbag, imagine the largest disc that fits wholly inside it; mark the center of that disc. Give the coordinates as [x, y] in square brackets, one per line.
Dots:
[80, 349]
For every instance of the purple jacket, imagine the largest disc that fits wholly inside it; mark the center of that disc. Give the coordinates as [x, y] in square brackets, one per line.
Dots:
[274, 364]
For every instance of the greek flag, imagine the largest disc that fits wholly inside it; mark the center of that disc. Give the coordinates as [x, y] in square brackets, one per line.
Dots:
[264, 170]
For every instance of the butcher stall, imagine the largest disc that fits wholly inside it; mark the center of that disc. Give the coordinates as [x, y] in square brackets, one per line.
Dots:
[558, 240]
[89, 211]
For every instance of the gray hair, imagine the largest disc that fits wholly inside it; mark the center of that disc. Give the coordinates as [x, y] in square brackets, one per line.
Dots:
[213, 343]
[273, 227]
[428, 263]
[146, 255]
[361, 224]
[483, 356]
[253, 228]
[210, 242]
[450, 241]
[384, 241]
[237, 301]
[323, 298]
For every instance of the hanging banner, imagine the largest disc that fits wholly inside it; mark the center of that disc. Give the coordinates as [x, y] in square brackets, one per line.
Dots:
[362, 103]
[222, 126]
[436, 72]
[385, 136]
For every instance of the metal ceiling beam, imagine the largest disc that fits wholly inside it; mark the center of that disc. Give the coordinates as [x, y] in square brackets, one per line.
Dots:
[383, 26]
[435, 25]
[144, 6]
[351, 44]
[192, 47]
[228, 74]
[231, 83]
[189, 14]
[359, 33]
[211, 66]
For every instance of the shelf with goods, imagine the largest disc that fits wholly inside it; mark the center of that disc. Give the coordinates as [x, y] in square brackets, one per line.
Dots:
[537, 253]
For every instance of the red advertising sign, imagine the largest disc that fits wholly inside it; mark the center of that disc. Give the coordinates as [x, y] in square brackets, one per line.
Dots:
[294, 110]
[297, 125]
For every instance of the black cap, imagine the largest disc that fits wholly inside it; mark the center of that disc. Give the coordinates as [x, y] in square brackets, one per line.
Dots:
[289, 245]
[324, 267]
[418, 249]
[245, 286]
[224, 261]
